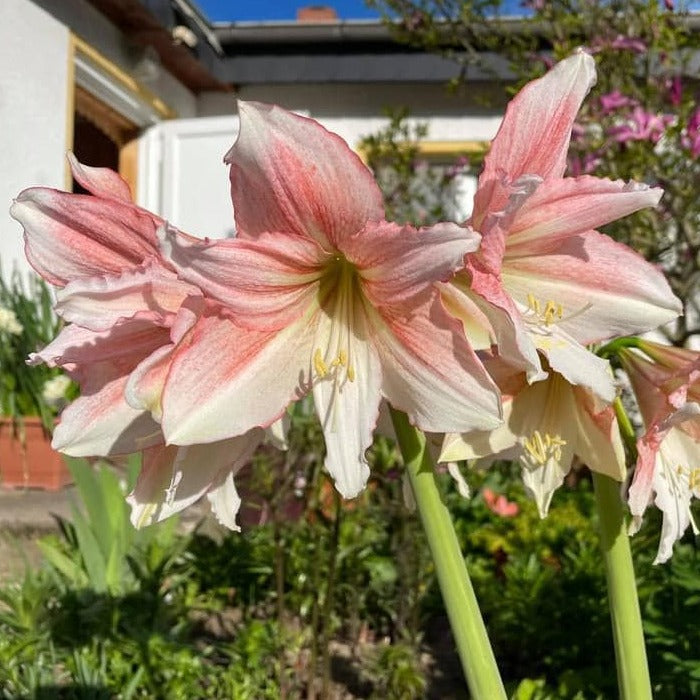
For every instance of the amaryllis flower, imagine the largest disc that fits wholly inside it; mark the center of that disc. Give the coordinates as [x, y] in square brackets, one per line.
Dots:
[544, 279]
[320, 294]
[666, 384]
[546, 424]
[126, 312]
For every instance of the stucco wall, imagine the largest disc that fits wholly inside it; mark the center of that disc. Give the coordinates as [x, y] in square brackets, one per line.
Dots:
[33, 112]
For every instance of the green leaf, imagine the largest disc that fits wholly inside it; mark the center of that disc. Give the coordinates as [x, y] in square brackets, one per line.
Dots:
[62, 563]
[95, 562]
[92, 497]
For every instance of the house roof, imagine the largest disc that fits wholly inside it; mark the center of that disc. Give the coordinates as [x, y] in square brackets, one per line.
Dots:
[208, 56]
[228, 54]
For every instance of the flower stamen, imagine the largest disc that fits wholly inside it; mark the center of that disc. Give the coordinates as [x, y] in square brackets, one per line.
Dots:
[539, 449]
[551, 312]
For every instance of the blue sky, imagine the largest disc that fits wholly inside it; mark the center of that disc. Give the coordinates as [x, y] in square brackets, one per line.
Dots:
[250, 10]
[246, 10]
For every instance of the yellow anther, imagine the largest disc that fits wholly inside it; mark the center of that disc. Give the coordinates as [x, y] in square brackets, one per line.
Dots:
[534, 304]
[552, 311]
[319, 365]
[694, 479]
[541, 449]
[351, 374]
[341, 360]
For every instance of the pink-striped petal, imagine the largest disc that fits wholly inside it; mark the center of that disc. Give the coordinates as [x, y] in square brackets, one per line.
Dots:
[561, 208]
[100, 422]
[144, 387]
[598, 442]
[486, 294]
[69, 236]
[534, 136]
[397, 262]
[126, 343]
[605, 289]
[173, 478]
[150, 293]
[101, 182]
[225, 380]
[289, 174]
[430, 372]
[265, 283]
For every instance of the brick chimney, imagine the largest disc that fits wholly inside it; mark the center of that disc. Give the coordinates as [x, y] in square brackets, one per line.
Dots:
[316, 13]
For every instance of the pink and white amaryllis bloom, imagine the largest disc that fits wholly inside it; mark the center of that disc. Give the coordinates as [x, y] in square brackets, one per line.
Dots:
[666, 384]
[544, 279]
[322, 295]
[546, 424]
[126, 312]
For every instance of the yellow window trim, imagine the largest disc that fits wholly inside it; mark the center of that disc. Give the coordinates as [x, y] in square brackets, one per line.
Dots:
[128, 156]
[439, 150]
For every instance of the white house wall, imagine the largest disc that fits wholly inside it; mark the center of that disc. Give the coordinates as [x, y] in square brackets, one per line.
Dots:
[33, 110]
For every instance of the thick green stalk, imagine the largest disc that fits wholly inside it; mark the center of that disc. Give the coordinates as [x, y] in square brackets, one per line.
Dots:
[462, 608]
[630, 653]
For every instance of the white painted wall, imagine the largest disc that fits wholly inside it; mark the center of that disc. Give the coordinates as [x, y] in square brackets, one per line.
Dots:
[33, 109]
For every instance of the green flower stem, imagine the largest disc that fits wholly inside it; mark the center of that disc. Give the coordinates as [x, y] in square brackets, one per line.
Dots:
[626, 429]
[468, 627]
[628, 636]
[613, 348]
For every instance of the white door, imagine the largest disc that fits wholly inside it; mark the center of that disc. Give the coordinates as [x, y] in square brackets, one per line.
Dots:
[182, 175]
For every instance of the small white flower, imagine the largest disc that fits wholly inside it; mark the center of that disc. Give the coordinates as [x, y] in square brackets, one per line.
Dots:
[9, 322]
[55, 389]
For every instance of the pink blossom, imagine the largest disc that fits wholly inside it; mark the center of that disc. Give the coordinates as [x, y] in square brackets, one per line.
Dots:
[675, 90]
[666, 383]
[584, 165]
[499, 504]
[625, 43]
[546, 424]
[641, 126]
[126, 312]
[544, 280]
[320, 295]
[612, 101]
[691, 135]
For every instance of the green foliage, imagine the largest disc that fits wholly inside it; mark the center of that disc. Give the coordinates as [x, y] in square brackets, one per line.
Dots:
[417, 190]
[27, 324]
[199, 617]
[396, 673]
[99, 544]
